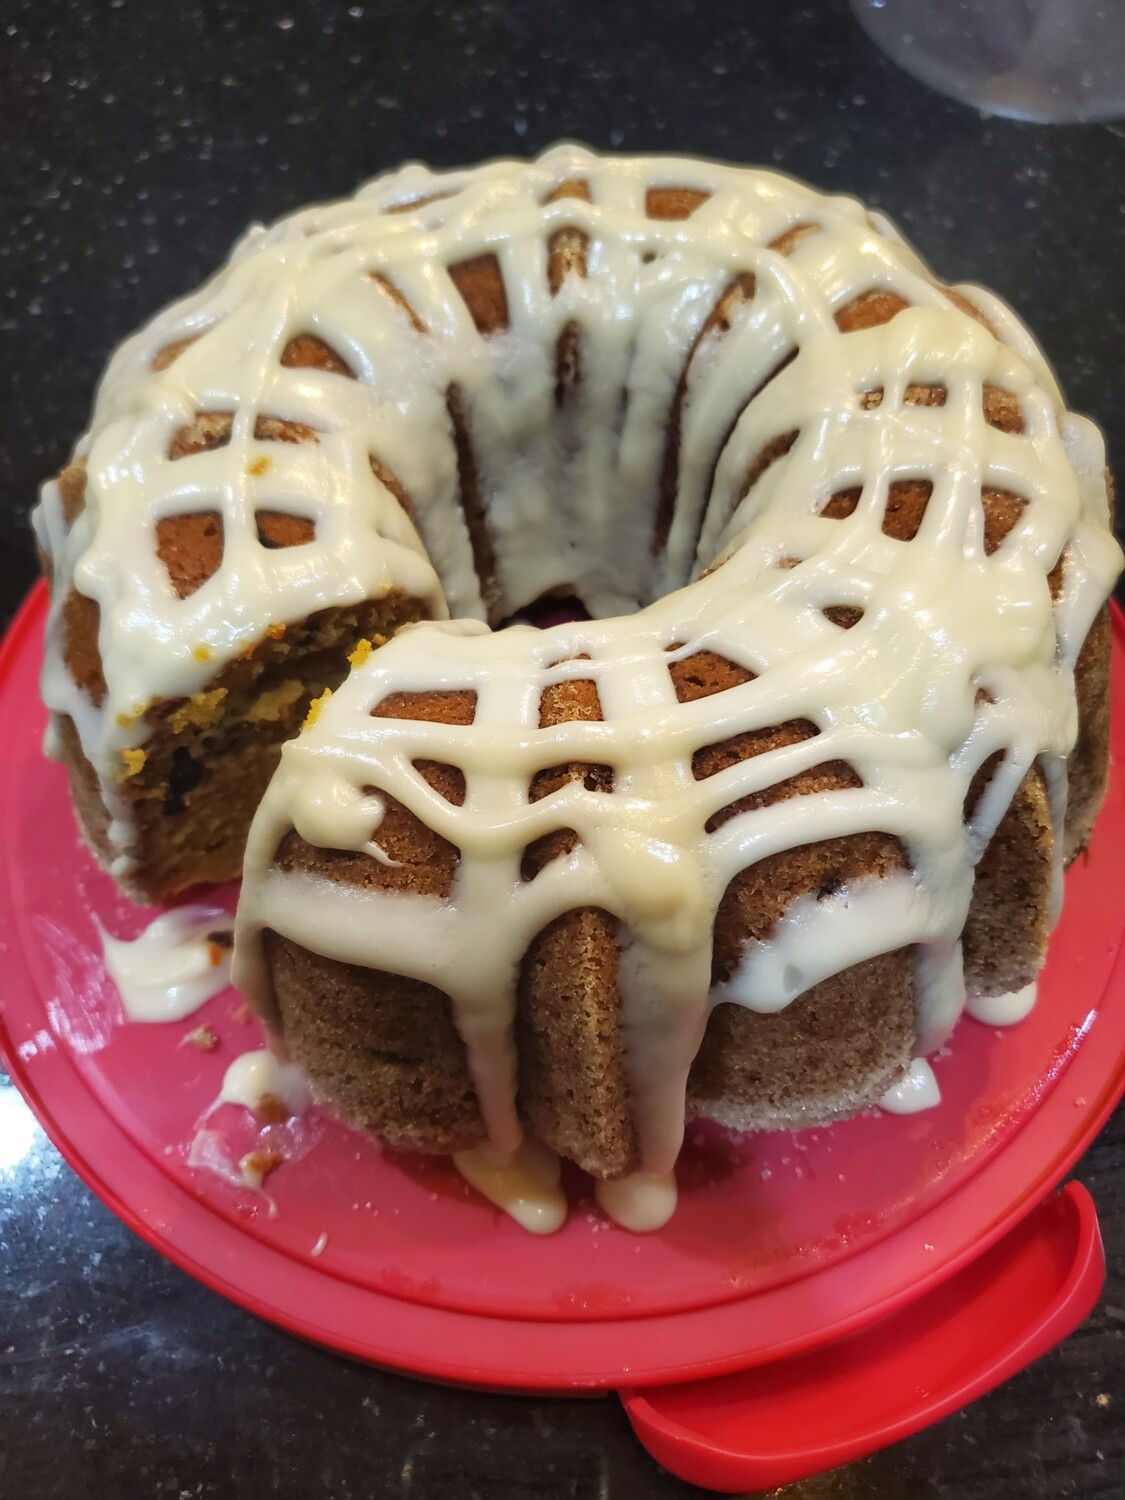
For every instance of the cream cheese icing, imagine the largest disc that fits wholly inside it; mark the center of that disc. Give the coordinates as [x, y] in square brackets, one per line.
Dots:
[915, 1091]
[180, 960]
[959, 653]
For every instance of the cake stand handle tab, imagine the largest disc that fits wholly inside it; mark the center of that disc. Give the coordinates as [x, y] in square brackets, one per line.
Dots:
[778, 1423]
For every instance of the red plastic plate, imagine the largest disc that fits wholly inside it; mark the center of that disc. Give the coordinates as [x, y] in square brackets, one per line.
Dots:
[773, 1424]
[780, 1242]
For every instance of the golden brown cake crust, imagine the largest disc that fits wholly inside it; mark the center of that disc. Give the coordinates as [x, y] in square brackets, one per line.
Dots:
[834, 1050]
[382, 1049]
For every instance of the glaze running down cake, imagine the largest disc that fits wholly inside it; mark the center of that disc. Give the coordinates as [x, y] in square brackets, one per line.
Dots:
[738, 845]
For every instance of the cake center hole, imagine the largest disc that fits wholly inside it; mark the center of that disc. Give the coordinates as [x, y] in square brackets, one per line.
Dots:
[548, 610]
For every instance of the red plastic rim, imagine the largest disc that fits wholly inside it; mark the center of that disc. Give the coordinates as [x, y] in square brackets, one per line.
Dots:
[781, 1242]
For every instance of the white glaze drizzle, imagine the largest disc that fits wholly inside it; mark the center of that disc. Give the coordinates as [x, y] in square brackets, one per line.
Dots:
[1003, 1010]
[640, 1202]
[571, 504]
[523, 1184]
[915, 1091]
[255, 1079]
[174, 966]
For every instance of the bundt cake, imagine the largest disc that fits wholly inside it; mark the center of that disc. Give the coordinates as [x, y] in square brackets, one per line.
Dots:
[739, 843]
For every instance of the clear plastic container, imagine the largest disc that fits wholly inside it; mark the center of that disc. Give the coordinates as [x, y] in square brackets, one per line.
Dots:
[1048, 60]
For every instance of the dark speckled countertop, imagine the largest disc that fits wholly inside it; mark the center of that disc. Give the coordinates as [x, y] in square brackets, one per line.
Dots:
[138, 140]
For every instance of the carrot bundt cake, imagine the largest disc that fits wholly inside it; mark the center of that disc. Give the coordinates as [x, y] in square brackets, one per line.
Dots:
[738, 844]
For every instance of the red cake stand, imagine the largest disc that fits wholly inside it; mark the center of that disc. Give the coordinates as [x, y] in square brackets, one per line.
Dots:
[815, 1297]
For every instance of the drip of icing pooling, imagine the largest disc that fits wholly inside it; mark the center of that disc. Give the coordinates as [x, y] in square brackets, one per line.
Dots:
[523, 1184]
[915, 1091]
[642, 1202]
[1003, 1010]
[257, 1079]
[178, 963]
[245, 1149]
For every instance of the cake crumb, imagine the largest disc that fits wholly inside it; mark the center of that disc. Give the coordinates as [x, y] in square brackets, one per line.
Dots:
[202, 710]
[241, 1014]
[202, 652]
[258, 467]
[271, 1109]
[271, 705]
[256, 1166]
[203, 1038]
[1102, 1399]
[272, 633]
[315, 707]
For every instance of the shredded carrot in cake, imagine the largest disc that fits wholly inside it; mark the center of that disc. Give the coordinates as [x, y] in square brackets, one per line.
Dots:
[360, 654]
[314, 708]
[132, 761]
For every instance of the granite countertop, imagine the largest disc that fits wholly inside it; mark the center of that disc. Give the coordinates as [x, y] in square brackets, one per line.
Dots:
[138, 142]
